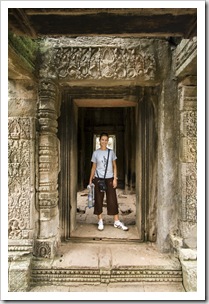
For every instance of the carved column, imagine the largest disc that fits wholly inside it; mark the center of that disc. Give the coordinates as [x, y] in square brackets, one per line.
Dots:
[48, 170]
[188, 166]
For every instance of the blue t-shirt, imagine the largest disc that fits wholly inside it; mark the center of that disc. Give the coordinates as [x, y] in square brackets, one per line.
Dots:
[100, 158]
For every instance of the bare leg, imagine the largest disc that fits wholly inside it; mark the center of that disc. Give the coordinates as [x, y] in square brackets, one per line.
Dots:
[100, 216]
[116, 217]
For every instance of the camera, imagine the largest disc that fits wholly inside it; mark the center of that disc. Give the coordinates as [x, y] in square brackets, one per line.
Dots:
[102, 185]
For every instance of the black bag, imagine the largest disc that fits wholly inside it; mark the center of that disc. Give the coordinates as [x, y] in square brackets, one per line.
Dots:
[102, 185]
[101, 181]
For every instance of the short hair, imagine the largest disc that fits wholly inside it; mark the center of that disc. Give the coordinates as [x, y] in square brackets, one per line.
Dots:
[103, 134]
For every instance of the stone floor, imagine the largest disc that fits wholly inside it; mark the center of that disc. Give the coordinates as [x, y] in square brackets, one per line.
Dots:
[108, 249]
[87, 221]
[113, 287]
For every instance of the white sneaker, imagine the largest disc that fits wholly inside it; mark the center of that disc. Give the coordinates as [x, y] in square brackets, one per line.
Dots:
[120, 225]
[100, 226]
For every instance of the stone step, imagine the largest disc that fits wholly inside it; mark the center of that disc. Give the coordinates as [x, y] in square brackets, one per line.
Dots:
[95, 264]
[112, 287]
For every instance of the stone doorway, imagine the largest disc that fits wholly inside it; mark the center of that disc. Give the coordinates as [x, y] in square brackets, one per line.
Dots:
[133, 123]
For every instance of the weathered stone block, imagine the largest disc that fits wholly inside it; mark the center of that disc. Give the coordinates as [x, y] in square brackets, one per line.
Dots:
[188, 150]
[188, 98]
[19, 274]
[189, 234]
[189, 271]
[186, 57]
[186, 254]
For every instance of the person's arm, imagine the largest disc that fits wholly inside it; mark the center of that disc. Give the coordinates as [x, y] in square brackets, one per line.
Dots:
[93, 169]
[115, 180]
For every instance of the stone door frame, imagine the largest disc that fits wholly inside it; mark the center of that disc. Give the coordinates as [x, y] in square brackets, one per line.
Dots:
[69, 65]
[50, 166]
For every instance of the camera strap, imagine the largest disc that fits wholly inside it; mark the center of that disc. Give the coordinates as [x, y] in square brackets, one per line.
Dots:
[106, 165]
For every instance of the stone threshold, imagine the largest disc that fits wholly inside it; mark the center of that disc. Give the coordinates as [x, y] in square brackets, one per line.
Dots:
[106, 263]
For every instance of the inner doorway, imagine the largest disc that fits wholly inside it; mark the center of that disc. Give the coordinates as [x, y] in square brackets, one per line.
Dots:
[134, 127]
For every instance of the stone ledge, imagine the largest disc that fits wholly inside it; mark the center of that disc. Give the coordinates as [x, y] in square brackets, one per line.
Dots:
[187, 254]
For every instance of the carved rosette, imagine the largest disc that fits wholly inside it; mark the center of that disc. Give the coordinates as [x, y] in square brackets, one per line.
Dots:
[188, 153]
[99, 63]
[20, 176]
[43, 249]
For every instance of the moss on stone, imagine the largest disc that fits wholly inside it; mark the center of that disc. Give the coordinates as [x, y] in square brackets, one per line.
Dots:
[25, 47]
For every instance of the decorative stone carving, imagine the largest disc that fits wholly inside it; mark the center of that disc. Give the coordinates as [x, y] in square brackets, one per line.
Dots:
[188, 126]
[48, 164]
[105, 276]
[188, 151]
[188, 146]
[43, 250]
[189, 192]
[99, 63]
[20, 180]
[188, 98]
[48, 145]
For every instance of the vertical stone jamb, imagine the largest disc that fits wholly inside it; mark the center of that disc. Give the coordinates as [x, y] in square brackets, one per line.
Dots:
[185, 240]
[188, 160]
[48, 162]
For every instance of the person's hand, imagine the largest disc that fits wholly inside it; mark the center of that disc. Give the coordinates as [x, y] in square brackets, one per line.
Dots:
[115, 183]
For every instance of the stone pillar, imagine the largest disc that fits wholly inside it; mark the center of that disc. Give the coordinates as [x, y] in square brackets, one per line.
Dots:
[22, 214]
[168, 142]
[48, 163]
[186, 234]
[188, 159]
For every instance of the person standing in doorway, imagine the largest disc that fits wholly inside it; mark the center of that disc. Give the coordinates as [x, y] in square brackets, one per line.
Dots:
[101, 163]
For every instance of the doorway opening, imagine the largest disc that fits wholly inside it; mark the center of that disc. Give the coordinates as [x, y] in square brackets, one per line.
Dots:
[86, 221]
[133, 134]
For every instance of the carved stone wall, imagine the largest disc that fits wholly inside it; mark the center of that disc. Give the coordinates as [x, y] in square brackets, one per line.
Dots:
[21, 165]
[22, 215]
[21, 176]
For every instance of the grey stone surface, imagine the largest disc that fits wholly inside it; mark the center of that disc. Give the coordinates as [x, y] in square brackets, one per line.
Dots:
[189, 270]
[114, 287]
[167, 208]
[109, 267]
[19, 274]
[186, 254]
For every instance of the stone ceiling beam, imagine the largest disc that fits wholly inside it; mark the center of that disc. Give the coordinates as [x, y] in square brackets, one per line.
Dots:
[108, 22]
